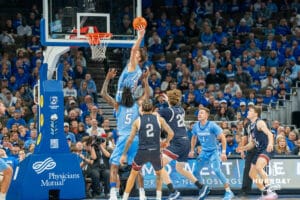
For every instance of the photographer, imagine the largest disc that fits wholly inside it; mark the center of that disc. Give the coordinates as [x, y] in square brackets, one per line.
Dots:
[97, 160]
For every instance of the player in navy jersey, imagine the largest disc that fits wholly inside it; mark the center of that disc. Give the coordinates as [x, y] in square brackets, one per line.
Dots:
[132, 71]
[208, 133]
[148, 126]
[180, 145]
[263, 140]
[127, 110]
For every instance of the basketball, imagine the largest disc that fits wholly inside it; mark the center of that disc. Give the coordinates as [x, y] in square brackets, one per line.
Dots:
[139, 22]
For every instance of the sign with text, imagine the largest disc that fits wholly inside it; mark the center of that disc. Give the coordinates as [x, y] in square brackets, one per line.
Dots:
[282, 172]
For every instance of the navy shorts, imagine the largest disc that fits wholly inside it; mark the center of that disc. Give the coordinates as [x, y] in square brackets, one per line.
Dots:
[264, 154]
[179, 149]
[147, 155]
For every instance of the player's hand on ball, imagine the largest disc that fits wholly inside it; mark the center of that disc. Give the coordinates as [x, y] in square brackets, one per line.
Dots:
[141, 31]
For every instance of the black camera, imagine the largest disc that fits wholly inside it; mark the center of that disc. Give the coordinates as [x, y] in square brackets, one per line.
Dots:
[97, 140]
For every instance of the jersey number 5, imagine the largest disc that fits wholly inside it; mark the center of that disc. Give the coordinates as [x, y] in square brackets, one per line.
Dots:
[128, 119]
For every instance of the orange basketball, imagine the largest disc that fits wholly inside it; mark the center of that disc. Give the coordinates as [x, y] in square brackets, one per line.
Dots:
[139, 22]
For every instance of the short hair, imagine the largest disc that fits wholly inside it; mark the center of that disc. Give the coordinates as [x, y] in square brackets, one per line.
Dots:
[205, 109]
[147, 105]
[257, 109]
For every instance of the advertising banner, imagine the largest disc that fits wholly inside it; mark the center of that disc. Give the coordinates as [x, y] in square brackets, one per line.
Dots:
[285, 173]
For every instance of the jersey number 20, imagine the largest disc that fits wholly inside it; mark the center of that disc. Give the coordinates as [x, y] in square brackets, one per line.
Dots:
[180, 120]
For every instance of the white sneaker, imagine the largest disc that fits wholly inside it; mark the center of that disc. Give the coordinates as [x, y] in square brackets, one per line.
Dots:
[143, 198]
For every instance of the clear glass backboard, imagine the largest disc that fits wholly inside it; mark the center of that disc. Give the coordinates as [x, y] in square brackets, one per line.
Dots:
[66, 22]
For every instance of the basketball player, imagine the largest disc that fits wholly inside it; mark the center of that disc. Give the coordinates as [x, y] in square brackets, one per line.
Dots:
[4, 167]
[127, 110]
[208, 132]
[180, 144]
[132, 71]
[261, 138]
[148, 126]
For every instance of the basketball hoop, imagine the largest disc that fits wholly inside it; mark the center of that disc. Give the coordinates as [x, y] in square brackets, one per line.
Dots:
[98, 43]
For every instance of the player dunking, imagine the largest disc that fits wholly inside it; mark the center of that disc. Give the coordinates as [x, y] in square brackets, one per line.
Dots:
[127, 110]
[207, 132]
[132, 71]
[180, 144]
[263, 139]
[148, 126]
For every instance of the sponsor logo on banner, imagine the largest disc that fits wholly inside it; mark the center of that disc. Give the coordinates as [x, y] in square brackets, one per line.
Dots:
[53, 124]
[54, 102]
[41, 166]
[53, 178]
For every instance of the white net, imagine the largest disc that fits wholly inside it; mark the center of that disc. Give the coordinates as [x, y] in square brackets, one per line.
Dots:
[98, 44]
[99, 50]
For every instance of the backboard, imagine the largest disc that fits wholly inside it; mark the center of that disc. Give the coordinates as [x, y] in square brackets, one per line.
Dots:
[65, 22]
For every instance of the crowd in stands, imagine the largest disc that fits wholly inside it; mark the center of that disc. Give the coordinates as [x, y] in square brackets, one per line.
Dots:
[224, 55]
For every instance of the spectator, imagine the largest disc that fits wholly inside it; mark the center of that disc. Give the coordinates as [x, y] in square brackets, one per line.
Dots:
[95, 130]
[214, 77]
[154, 81]
[269, 43]
[31, 140]
[243, 79]
[296, 150]
[221, 115]
[242, 110]
[69, 135]
[237, 49]
[219, 35]
[232, 86]
[166, 83]
[206, 36]
[269, 81]
[91, 86]
[81, 132]
[292, 138]
[15, 119]
[294, 67]
[282, 28]
[242, 29]
[231, 144]
[24, 29]
[237, 99]
[281, 147]
[70, 90]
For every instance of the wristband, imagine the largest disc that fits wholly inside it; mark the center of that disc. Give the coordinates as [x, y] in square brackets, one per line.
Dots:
[224, 151]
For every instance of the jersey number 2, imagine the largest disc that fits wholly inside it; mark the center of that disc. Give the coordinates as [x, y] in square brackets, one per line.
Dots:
[149, 131]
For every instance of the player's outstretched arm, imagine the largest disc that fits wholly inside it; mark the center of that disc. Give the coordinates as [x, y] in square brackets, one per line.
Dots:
[146, 87]
[132, 61]
[110, 75]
